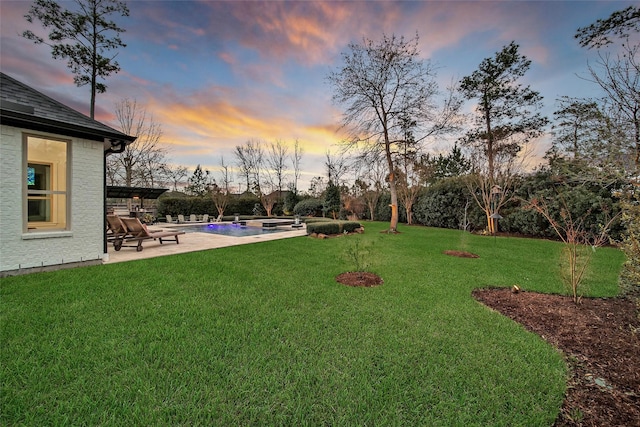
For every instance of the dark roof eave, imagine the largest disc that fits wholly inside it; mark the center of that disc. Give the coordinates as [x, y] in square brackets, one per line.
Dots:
[28, 121]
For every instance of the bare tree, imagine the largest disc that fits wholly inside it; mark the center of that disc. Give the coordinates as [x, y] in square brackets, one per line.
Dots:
[619, 78]
[337, 166]
[579, 243]
[254, 167]
[296, 161]
[317, 187]
[249, 159]
[152, 168]
[277, 163]
[379, 85]
[373, 192]
[141, 162]
[225, 176]
[354, 201]
[176, 174]
[371, 180]
[410, 170]
[412, 175]
[111, 172]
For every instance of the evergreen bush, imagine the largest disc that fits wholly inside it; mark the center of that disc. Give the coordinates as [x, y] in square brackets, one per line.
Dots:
[242, 204]
[332, 204]
[448, 204]
[308, 207]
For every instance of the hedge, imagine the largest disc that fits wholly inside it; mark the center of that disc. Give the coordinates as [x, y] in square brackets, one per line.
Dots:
[242, 204]
[332, 227]
[185, 206]
[316, 219]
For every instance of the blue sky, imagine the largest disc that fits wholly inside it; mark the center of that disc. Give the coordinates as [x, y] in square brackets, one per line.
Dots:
[215, 74]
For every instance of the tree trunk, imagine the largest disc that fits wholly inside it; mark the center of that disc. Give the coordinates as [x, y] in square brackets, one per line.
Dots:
[94, 61]
[489, 142]
[408, 207]
[393, 226]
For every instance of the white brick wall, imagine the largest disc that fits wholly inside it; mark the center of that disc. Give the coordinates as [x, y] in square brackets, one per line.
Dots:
[84, 240]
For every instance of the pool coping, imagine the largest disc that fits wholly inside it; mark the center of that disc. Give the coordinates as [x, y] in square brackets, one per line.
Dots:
[191, 242]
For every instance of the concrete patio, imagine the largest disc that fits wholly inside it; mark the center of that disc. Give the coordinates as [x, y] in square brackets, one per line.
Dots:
[190, 242]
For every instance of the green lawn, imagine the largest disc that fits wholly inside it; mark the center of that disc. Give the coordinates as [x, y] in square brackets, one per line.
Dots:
[262, 334]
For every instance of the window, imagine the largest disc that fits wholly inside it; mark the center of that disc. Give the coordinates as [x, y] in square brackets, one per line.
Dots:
[46, 181]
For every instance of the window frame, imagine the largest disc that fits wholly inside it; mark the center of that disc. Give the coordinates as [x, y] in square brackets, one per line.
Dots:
[28, 195]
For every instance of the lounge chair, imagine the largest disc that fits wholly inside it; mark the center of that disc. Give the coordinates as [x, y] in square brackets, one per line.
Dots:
[205, 218]
[181, 219]
[193, 218]
[137, 232]
[170, 219]
[116, 229]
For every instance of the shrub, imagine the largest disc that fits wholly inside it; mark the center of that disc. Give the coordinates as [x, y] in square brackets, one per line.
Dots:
[325, 227]
[290, 201]
[589, 199]
[185, 205]
[332, 227]
[242, 204]
[359, 254]
[350, 226]
[308, 207]
[313, 220]
[383, 210]
[448, 204]
[332, 204]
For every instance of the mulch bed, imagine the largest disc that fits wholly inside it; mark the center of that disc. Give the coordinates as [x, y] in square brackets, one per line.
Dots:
[461, 254]
[601, 341]
[360, 279]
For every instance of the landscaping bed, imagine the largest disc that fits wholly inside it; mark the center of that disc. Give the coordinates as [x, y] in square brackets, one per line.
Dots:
[600, 338]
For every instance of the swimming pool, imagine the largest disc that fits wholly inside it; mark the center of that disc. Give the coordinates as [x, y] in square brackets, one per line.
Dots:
[234, 230]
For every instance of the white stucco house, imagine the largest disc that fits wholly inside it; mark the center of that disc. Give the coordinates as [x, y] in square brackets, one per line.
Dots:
[52, 182]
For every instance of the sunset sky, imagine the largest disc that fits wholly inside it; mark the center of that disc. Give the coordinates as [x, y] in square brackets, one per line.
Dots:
[215, 74]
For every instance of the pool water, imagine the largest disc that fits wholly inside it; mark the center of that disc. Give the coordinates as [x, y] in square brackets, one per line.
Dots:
[234, 230]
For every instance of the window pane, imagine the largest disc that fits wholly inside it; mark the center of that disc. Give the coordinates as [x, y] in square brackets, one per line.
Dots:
[39, 177]
[39, 210]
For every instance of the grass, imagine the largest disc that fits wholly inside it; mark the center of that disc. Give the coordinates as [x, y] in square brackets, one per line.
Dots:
[262, 334]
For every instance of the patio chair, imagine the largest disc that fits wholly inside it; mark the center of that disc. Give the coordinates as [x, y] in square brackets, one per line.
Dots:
[205, 218]
[170, 219]
[193, 218]
[116, 231]
[181, 219]
[138, 232]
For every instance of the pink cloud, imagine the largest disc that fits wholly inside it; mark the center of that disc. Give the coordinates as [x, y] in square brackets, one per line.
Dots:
[228, 57]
